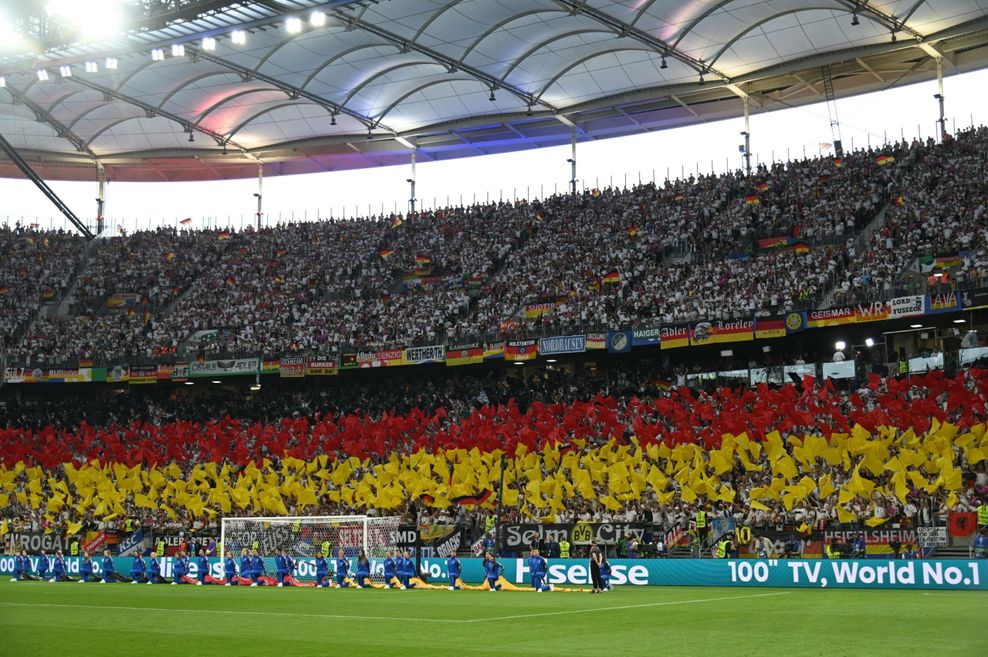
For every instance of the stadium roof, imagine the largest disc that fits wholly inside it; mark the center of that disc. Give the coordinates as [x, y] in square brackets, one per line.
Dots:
[451, 78]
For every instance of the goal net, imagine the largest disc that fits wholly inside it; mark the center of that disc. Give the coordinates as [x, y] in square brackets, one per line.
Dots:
[302, 537]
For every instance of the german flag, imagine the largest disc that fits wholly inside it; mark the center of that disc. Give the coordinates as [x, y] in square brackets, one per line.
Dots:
[423, 260]
[230, 280]
[396, 222]
[612, 277]
[762, 186]
[839, 163]
[186, 221]
[900, 201]
[752, 199]
[48, 293]
[385, 253]
[633, 231]
[467, 354]
[169, 255]
[678, 197]
[770, 327]
[801, 247]
[223, 235]
[882, 160]
[479, 497]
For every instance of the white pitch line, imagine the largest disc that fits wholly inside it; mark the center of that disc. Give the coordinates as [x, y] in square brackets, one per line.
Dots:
[237, 612]
[391, 618]
[594, 610]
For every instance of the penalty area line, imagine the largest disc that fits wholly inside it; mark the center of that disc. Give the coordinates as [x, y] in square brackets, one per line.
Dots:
[594, 610]
[235, 612]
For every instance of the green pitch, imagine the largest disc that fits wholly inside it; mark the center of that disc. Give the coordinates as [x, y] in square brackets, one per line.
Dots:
[38, 618]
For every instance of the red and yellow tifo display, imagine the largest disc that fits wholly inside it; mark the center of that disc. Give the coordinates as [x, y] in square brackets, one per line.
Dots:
[764, 449]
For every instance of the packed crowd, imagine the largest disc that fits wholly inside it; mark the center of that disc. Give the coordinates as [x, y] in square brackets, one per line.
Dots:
[940, 208]
[684, 250]
[38, 266]
[591, 445]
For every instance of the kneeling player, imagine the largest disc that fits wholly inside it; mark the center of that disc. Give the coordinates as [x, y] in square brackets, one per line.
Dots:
[492, 572]
[453, 570]
[58, 571]
[86, 569]
[154, 570]
[391, 579]
[605, 574]
[138, 569]
[363, 570]
[342, 569]
[539, 569]
[322, 570]
[257, 570]
[230, 570]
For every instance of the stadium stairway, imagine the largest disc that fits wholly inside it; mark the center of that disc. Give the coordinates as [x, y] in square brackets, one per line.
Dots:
[955, 552]
[860, 245]
[62, 307]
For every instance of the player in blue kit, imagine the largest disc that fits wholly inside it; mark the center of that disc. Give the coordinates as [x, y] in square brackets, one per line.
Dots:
[342, 569]
[154, 570]
[110, 573]
[257, 569]
[138, 569]
[230, 570]
[407, 570]
[203, 567]
[492, 572]
[538, 568]
[281, 567]
[391, 571]
[453, 569]
[605, 574]
[43, 566]
[363, 570]
[245, 568]
[86, 569]
[180, 569]
[58, 571]
[322, 570]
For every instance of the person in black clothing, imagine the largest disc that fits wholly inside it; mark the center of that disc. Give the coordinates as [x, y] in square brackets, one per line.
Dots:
[596, 558]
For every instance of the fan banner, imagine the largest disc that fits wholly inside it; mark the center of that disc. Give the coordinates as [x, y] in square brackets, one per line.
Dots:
[292, 367]
[566, 344]
[235, 367]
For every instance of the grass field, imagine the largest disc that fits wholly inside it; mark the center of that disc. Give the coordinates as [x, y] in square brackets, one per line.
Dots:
[38, 618]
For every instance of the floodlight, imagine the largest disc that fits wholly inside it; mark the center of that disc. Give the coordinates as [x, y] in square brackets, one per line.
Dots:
[111, 63]
[178, 50]
[3, 82]
[157, 54]
[92, 67]
[208, 43]
[42, 75]
[869, 342]
[239, 37]
[839, 345]
[317, 18]
[293, 24]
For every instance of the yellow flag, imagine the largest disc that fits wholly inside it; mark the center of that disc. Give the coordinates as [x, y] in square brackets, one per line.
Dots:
[843, 515]
[3, 527]
[875, 522]
[758, 505]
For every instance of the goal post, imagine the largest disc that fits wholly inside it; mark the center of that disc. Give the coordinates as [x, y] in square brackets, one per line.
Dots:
[303, 536]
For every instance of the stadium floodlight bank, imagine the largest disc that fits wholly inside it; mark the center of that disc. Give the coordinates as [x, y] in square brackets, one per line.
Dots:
[303, 536]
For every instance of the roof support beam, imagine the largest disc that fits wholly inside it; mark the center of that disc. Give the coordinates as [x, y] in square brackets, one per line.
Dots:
[60, 128]
[623, 29]
[865, 66]
[292, 91]
[892, 23]
[452, 65]
[685, 106]
[152, 111]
